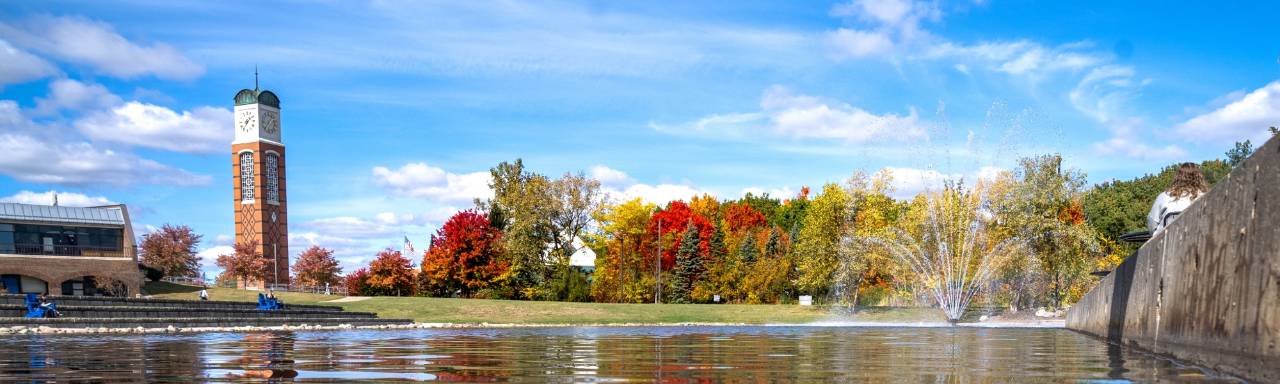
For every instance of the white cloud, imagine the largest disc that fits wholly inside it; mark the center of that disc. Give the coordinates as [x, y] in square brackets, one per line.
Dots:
[1018, 58]
[788, 115]
[658, 194]
[1246, 117]
[68, 94]
[209, 256]
[909, 182]
[885, 25]
[852, 43]
[779, 193]
[1128, 146]
[618, 186]
[610, 177]
[68, 199]
[20, 66]
[351, 227]
[43, 159]
[202, 130]
[425, 181]
[97, 44]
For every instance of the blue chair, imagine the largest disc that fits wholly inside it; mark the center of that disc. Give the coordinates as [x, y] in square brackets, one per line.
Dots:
[263, 302]
[33, 307]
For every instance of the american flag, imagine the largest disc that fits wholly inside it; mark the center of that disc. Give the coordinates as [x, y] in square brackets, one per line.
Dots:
[408, 247]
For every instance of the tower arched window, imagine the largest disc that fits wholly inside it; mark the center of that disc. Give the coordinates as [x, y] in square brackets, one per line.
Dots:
[246, 176]
[272, 173]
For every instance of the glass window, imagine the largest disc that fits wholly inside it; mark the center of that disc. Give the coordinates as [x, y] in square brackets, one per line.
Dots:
[273, 182]
[246, 176]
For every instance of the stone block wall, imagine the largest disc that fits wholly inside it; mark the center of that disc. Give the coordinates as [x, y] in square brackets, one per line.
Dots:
[1206, 289]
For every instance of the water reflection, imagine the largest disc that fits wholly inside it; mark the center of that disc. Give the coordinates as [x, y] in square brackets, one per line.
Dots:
[772, 354]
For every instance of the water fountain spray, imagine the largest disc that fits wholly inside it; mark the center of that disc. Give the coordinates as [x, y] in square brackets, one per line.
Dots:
[954, 251]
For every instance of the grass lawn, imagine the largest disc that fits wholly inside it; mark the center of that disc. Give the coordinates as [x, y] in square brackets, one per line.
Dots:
[441, 310]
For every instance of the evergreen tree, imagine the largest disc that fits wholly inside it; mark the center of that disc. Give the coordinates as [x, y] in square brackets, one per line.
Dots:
[688, 264]
[716, 249]
[747, 251]
[773, 246]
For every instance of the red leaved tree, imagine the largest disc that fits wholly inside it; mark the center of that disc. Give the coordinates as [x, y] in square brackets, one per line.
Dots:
[673, 222]
[465, 256]
[246, 264]
[738, 217]
[172, 249]
[390, 274]
[316, 267]
[356, 282]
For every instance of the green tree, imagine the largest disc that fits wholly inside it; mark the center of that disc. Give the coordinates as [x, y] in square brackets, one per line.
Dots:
[524, 204]
[1043, 209]
[1241, 151]
[747, 251]
[688, 266]
[818, 241]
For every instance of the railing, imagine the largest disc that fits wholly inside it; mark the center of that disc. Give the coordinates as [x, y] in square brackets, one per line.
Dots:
[62, 250]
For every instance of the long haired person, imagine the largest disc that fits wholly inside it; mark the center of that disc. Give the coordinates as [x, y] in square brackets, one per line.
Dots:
[1188, 184]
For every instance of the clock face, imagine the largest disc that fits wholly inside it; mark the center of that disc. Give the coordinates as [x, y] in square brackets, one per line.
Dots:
[246, 121]
[270, 122]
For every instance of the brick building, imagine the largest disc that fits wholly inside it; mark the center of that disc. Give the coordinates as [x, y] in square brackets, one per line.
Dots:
[68, 250]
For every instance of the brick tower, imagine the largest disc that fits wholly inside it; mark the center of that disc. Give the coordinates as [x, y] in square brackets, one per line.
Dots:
[257, 165]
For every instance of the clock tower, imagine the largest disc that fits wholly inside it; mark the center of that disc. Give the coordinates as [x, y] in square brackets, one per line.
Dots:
[257, 168]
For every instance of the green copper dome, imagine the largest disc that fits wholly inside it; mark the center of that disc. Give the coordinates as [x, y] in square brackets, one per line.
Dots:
[249, 96]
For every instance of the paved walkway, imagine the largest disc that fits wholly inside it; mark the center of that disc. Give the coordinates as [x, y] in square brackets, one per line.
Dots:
[349, 299]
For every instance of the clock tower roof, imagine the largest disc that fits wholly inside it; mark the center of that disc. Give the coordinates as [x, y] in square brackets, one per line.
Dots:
[253, 96]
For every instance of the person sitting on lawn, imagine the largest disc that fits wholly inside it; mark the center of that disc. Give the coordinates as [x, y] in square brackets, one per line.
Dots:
[204, 294]
[1188, 184]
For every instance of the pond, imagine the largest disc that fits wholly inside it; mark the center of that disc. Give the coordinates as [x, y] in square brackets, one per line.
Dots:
[642, 354]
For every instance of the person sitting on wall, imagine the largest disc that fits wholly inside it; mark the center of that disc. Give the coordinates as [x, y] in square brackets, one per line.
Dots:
[50, 309]
[1188, 184]
[204, 294]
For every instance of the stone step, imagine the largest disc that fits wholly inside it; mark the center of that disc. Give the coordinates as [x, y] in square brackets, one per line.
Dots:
[140, 302]
[82, 311]
[192, 322]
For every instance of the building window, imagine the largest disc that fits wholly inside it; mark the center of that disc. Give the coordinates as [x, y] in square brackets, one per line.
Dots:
[273, 178]
[246, 176]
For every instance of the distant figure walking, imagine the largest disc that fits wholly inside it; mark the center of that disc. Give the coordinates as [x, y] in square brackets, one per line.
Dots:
[204, 294]
[1188, 184]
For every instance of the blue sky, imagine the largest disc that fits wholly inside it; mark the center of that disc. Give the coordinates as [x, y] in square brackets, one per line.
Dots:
[393, 111]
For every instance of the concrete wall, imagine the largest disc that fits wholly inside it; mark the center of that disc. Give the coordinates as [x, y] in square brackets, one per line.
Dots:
[1207, 289]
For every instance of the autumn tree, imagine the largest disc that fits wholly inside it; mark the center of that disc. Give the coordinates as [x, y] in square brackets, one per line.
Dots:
[622, 274]
[390, 274]
[357, 282]
[739, 217]
[818, 241]
[668, 225]
[316, 267]
[172, 250]
[245, 264]
[465, 256]
[1045, 211]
